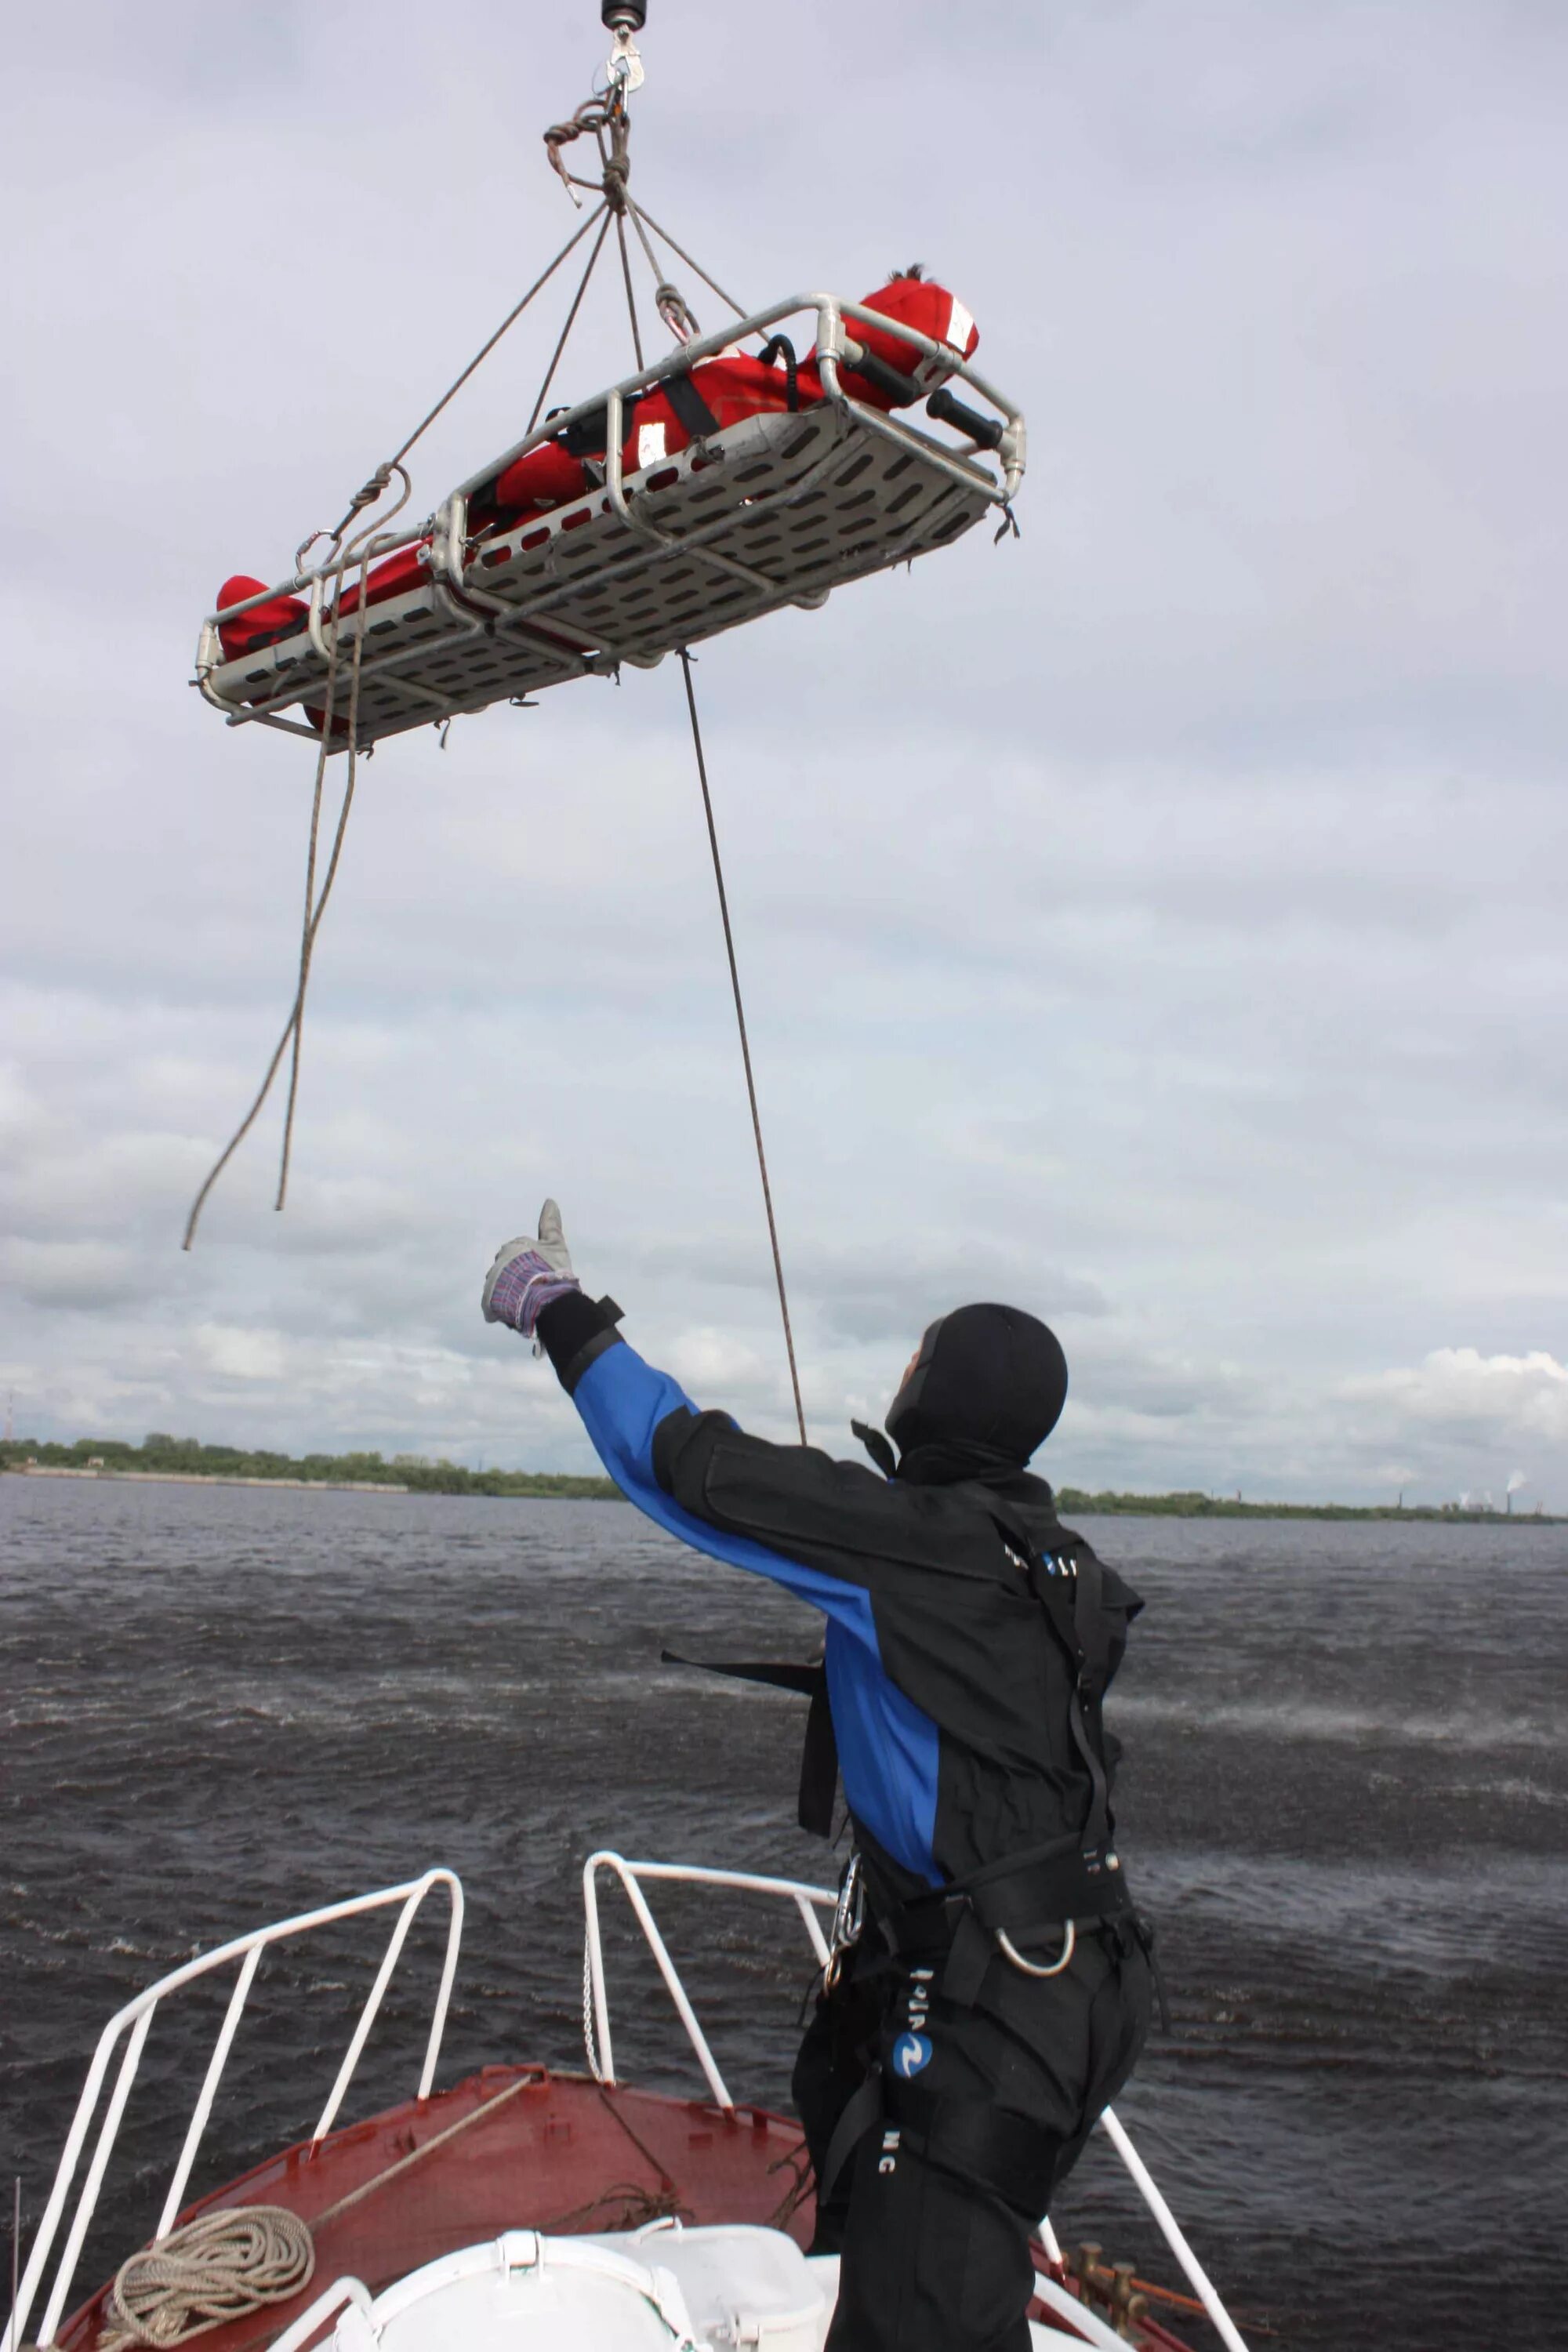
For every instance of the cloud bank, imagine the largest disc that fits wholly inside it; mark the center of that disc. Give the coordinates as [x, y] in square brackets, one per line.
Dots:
[1158, 921]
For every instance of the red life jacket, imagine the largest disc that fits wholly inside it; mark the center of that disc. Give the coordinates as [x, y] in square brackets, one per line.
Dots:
[713, 394]
[264, 624]
[285, 616]
[392, 577]
[547, 476]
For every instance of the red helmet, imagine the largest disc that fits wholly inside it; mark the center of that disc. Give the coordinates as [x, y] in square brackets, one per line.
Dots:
[918, 302]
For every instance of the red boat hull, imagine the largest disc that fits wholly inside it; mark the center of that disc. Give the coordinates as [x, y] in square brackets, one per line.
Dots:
[513, 2147]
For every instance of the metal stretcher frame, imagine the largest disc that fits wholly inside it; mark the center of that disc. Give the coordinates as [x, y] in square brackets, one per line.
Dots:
[469, 609]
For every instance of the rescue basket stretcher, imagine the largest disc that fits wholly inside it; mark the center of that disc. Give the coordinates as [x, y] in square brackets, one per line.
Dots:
[777, 508]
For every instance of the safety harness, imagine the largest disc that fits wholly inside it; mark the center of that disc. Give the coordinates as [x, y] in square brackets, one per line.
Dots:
[952, 1935]
[1049, 1889]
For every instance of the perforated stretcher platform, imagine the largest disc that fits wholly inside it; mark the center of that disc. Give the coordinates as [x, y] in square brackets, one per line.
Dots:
[779, 508]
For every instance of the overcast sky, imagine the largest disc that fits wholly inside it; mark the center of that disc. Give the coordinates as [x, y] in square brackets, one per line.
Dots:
[1158, 921]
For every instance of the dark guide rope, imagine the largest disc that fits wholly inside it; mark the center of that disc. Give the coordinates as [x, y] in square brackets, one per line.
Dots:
[745, 1043]
[313, 918]
[313, 922]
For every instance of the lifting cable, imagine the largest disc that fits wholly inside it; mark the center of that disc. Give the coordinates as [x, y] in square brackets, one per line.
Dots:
[639, 215]
[487, 348]
[379, 480]
[631, 298]
[598, 248]
[745, 1043]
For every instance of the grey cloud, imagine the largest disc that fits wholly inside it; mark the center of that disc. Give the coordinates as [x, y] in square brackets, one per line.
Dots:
[867, 1310]
[863, 1291]
[83, 1274]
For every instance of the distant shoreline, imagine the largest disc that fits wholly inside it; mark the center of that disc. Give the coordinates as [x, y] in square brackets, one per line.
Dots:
[499, 1485]
[203, 1478]
[1072, 1500]
[185, 1462]
[336, 1474]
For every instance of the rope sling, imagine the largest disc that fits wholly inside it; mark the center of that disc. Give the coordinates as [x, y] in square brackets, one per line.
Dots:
[225, 2265]
[604, 119]
[218, 2268]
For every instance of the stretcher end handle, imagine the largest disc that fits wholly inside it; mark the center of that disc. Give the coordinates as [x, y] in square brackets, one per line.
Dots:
[985, 432]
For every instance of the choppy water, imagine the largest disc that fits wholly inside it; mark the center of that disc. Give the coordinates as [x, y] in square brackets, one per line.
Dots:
[1345, 1797]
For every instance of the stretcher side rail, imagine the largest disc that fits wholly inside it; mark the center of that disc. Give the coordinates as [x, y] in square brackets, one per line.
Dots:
[631, 566]
[447, 534]
[831, 311]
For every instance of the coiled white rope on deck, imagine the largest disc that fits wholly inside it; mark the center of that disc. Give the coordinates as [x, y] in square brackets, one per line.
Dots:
[220, 2267]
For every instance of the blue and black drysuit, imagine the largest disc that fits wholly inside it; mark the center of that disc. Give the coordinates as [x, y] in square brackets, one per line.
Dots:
[970, 1638]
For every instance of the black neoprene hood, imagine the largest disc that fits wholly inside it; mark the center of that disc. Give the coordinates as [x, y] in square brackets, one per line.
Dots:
[986, 1376]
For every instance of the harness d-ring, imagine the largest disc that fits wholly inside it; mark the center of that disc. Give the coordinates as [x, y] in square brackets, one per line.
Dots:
[1032, 1968]
[848, 1922]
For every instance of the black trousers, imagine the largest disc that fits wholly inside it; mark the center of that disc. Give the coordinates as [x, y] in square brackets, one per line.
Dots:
[934, 2215]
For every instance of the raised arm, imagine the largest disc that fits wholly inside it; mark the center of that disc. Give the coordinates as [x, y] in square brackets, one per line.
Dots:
[737, 1499]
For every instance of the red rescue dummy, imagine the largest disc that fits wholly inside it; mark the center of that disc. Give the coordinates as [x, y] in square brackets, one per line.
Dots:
[707, 398]
[914, 301]
[264, 624]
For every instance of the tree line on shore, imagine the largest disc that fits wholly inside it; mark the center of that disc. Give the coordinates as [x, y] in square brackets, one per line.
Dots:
[188, 1456]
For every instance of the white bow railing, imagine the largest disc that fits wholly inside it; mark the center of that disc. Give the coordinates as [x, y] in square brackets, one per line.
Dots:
[132, 2024]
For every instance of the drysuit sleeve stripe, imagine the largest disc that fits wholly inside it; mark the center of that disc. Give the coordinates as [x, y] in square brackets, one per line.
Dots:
[888, 1746]
[622, 1400]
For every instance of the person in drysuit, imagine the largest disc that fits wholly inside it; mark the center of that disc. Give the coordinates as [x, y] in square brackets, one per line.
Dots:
[998, 1991]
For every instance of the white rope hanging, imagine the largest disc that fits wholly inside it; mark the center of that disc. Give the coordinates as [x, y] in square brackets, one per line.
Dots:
[223, 2267]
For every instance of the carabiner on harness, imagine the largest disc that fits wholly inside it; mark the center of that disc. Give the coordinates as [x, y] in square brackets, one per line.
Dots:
[1009, 1951]
[848, 1922]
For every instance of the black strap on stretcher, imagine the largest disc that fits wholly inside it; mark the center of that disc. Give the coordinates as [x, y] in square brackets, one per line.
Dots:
[819, 1755]
[588, 436]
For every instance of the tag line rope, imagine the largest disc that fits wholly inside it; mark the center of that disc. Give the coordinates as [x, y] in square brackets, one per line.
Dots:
[745, 1042]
